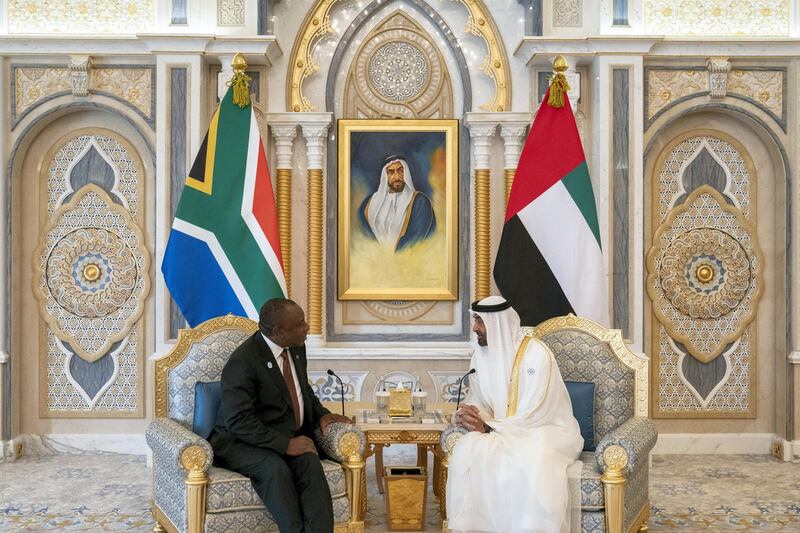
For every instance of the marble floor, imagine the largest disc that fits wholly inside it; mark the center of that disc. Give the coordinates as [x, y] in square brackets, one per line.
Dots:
[110, 492]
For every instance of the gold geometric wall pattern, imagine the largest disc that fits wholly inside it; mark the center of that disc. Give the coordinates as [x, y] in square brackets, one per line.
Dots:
[704, 277]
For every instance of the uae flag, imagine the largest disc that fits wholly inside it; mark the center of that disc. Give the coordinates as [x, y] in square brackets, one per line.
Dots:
[550, 259]
[223, 254]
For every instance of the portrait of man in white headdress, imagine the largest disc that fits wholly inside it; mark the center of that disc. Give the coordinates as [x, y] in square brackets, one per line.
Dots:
[397, 215]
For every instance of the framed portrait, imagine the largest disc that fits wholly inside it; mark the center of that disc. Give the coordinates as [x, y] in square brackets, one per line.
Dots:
[398, 202]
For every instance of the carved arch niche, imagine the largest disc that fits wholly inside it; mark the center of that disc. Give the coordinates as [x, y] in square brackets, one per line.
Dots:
[83, 268]
[711, 264]
[398, 72]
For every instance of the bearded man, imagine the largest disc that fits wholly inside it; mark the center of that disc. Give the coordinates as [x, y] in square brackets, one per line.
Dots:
[509, 472]
[397, 215]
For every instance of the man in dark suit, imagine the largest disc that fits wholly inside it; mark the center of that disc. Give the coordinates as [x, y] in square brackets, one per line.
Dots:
[267, 415]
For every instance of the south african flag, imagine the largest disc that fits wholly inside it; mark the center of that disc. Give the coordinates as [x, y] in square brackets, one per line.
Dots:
[224, 254]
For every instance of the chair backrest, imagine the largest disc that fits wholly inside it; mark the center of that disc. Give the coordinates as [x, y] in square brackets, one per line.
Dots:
[199, 355]
[586, 351]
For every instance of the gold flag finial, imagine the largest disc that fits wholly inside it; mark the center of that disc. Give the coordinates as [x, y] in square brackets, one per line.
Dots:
[239, 81]
[558, 82]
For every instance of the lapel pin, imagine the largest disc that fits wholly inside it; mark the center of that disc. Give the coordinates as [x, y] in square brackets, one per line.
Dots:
[269, 364]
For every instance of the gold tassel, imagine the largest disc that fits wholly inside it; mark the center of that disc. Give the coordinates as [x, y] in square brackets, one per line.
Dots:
[558, 83]
[239, 82]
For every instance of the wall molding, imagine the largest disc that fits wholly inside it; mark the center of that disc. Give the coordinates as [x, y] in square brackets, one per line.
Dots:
[714, 443]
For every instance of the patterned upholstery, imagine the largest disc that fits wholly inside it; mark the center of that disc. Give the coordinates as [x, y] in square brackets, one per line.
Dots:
[260, 521]
[593, 522]
[591, 487]
[230, 492]
[231, 503]
[637, 435]
[204, 362]
[582, 357]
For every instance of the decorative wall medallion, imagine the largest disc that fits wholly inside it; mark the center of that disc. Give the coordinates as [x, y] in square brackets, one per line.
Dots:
[91, 272]
[398, 71]
[94, 266]
[717, 248]
[705, 273]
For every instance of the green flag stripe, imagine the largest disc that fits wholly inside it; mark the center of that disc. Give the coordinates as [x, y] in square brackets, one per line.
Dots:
[579, 186]
[220, 212]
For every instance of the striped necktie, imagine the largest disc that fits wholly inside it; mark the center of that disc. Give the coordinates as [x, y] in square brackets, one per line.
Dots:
[286, 368]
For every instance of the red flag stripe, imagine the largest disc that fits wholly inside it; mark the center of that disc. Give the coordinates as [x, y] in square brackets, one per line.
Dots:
[263, 203]
[549, 154]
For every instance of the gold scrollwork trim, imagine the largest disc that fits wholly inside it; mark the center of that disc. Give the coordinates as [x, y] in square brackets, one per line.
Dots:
[317, 24]
[613, 337]
[349, 444]
[403, 436]
[186, 338]
[656, 248]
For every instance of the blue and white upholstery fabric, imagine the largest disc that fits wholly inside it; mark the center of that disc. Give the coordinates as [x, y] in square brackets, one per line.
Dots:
[329, 441]
[168, 439]
[593, 522]
[260, 521]
[204, 362]
[637, 436]
[583, 357]
[232, 492]
[636, 493]
[592, 497]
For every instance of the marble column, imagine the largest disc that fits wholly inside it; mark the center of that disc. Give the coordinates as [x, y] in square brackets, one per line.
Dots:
[513, 134]
[481, 131]
[5, 273]
[225, 75]
[284, 135]
[315, 133]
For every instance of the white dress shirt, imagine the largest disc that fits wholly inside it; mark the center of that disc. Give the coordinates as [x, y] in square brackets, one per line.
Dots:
[277, 351]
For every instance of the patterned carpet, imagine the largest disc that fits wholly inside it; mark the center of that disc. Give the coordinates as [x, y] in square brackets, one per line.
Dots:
[109, 492]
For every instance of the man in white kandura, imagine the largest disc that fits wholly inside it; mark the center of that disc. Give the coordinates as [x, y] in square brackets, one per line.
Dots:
[509, 473]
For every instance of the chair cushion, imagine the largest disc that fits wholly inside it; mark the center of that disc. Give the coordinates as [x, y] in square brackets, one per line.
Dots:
[229, 491]
[206, 406]
[581, 394]
[591, 487]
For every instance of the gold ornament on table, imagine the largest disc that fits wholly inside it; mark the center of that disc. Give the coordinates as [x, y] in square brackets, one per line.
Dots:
[400, 401]
[240, 81]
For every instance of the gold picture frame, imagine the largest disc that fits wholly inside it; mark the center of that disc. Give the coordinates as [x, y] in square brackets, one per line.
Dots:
[398, 210]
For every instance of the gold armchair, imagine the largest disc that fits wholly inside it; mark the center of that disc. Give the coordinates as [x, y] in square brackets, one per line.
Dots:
[192, 496]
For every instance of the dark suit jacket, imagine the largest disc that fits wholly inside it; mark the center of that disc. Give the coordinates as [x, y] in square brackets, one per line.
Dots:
[255, 406]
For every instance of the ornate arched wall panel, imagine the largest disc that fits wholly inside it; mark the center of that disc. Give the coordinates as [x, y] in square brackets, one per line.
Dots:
[92, 277]
[704, 277]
